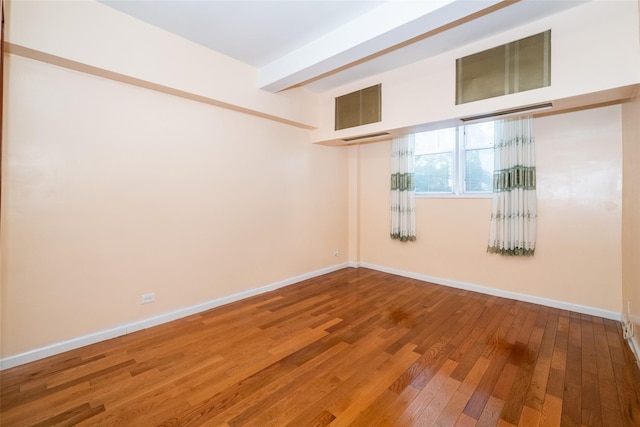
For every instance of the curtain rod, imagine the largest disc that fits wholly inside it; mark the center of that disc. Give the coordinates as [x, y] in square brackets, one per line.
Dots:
[373, 135]
[506, 112]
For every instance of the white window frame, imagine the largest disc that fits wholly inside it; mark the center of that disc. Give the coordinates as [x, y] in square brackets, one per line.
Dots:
[459, 174]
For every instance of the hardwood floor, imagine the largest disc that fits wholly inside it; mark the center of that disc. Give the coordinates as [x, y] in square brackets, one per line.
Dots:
[356, 347]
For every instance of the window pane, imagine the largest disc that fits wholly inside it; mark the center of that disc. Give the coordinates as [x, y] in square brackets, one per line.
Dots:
[479, 135]
[434, 173]
[478, 170]
[438, 152]
[436, 141]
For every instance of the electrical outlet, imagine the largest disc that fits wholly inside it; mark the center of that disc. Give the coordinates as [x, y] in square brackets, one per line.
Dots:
[147, 298]
[627, 330]
[336, 252]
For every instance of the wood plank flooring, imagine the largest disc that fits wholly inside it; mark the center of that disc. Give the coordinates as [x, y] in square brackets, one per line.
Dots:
[355, 347]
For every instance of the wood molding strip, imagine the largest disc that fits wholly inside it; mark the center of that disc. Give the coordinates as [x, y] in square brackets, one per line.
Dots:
[123, 78]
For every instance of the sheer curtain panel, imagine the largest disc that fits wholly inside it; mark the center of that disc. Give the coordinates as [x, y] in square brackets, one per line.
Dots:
[514, 211]
[403, 209]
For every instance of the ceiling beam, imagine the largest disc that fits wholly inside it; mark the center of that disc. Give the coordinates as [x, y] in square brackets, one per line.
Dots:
[392, 24]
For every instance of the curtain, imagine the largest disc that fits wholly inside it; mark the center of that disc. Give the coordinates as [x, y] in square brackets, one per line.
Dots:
[513, 216]
[403, 209]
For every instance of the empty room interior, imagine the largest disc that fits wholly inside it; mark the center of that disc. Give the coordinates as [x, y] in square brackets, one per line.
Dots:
[203, 220]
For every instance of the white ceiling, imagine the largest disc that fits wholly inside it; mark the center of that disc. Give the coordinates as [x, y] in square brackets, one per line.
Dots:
[323, 44]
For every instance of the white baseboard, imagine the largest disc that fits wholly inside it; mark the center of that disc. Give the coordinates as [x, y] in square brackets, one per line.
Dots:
[635, 348]
[633, 341]
[499, 292]
[61, 347]
[92, 338]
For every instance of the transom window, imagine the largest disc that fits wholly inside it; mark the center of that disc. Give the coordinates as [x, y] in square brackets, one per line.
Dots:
[455, 161]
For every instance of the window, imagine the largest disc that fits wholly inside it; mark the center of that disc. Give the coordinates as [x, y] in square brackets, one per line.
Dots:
[455, 161]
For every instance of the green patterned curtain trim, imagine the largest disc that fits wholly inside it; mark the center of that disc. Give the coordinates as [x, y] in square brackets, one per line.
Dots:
[515, 177]
[403, 238]
[402, 182]
[403, 153]
[511, 251]
[396, 208]
[499, 216]
[518, 140]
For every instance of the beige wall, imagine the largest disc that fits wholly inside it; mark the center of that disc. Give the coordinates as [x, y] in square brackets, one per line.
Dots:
[578, 256]
[111, 191]
[82, 31]
[631, 214]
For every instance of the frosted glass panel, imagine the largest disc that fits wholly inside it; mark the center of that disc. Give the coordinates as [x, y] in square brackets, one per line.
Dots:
[359, 108]
[514, 67]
